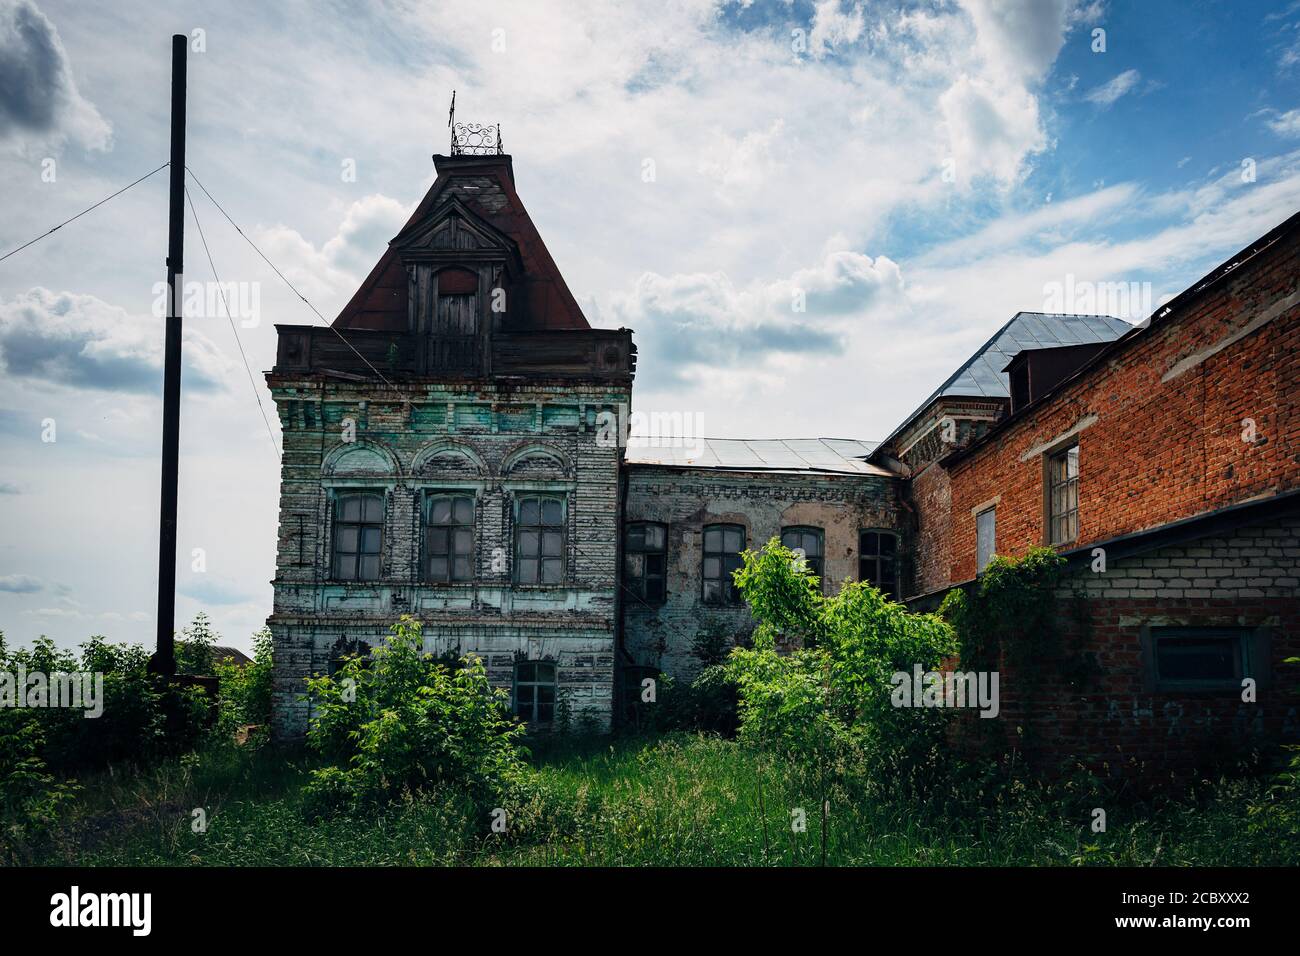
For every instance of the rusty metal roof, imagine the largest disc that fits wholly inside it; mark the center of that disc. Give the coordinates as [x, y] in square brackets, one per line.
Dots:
[842, 456]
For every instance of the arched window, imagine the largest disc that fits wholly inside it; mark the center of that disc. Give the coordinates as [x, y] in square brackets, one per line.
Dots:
[448, 538]
[722, 546]
[810, 541]
[535, 691]
[645, 557]
[539, 540]
[358, 535]
[878, 561]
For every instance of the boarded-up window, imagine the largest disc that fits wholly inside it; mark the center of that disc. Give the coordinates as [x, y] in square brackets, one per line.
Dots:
[723, 544]
[985, 538]
[358, 536]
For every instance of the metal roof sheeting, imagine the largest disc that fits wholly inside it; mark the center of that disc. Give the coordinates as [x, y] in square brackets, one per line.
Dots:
[982, 375]
[834, 455]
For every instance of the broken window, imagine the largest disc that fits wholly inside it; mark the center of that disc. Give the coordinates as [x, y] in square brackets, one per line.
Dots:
[723, 544]
[878, 561]
[1200, 658]
[539, 540]
[535, 691]
[808, 541]
[1063, 496]
[985, 538]
[645, 559]
[358, 535]
[449, 538]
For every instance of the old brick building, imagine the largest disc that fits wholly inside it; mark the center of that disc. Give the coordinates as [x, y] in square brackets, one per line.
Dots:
[447, 455]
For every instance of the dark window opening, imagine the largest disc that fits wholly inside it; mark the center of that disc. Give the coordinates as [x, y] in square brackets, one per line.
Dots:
[539, 541]
[358, 536]
[1204, 658]
[723, 544]
[878, 561]
[535, 691]
[810, 541]
[645, 560]
[449, 538]
[1063, 496]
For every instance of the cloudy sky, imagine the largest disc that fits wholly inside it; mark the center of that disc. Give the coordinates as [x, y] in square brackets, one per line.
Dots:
[915, 172]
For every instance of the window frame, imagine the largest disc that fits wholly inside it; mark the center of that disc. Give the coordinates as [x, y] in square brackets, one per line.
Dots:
[553, 683]
[980, 565]
[1061, 452]
[429, 495]
[731, 596]
[630, 582]
[1253, 658]
[337, 524]
[819, 568]
[878, 556]
[540, 528]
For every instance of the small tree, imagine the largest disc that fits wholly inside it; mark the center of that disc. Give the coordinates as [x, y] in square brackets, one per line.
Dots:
[829, 699]
[404, 721]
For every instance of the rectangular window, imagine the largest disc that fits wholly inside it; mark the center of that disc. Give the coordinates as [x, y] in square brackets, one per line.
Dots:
[358, 535]
[723, 544]
[535, 691]
[539, 540]
[645, 558]
[1063, 496]
[878, 561]
[1200, 658]
[808, 541]
[449, 538]
[986, 523]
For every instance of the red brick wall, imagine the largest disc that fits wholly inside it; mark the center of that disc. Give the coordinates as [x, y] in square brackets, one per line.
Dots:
[931, 499]
[1159, 450]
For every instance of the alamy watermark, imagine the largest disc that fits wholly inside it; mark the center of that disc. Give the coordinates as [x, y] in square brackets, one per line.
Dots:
[656, 429]
[77, 690]
[950, 689]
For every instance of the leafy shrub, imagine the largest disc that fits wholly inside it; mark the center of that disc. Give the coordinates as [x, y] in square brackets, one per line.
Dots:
[246, 690]
[828, 700]
[143, 719]
[403, 721]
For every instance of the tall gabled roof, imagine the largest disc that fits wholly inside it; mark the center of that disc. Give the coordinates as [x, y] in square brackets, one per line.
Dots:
[485, 187]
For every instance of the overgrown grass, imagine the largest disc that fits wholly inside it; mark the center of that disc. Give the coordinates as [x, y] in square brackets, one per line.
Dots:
[673, 801]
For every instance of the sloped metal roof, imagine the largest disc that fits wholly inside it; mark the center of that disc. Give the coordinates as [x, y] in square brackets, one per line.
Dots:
[834, 455]
[981, 375]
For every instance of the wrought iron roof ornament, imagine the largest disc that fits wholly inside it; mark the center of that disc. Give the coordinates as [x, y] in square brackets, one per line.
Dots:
[471, 139]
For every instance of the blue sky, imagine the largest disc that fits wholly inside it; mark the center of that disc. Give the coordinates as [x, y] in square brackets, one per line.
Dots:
[915, 171]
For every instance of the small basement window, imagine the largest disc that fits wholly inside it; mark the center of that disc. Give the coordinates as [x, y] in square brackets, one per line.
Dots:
[1200, 658]
[535, 691]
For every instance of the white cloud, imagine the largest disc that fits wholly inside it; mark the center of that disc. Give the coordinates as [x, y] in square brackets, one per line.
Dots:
[1110, 91]
[41, 107]
[20, 584]
[1285, 124]
[79, 340]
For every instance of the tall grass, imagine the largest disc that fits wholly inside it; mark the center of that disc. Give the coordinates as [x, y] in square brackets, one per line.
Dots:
[674, 801]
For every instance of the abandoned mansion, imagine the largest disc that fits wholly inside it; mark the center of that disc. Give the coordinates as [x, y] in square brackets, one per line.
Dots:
[447, 456]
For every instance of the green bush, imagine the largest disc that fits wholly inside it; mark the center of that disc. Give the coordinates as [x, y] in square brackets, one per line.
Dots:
[828, 701]
[246, 689]
[403, 721]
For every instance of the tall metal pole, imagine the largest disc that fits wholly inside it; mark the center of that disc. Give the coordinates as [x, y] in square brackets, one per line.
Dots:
[164, 658]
